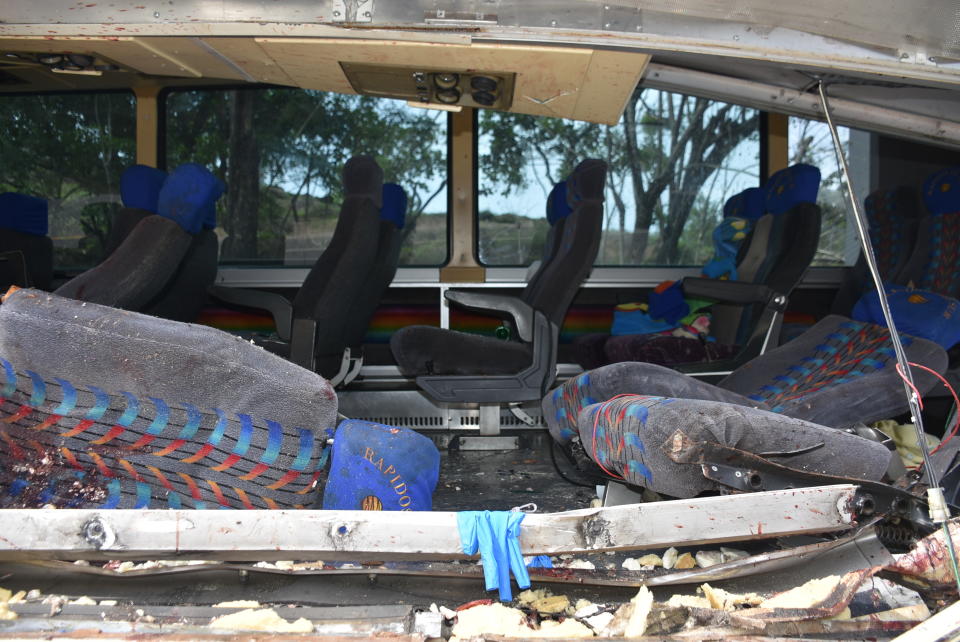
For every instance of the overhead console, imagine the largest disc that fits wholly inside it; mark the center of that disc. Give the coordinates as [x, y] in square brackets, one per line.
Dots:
[567, 82]
[433, 86]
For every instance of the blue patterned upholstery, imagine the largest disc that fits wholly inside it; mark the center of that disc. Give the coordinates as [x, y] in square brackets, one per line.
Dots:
[76, 446]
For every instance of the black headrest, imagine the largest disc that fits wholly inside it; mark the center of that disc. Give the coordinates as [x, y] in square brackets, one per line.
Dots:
[363, 177]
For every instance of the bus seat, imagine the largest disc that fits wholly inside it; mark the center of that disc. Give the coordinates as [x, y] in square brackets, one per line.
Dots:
[26, 252]
[139, 191]
[333, 307]
[166, 261]
[364, 304]
[458, 366]
[740, 213]
[642, 439]
[838, 373]
[892, 218]
[157, 413]
[935, 262]
[746, 313]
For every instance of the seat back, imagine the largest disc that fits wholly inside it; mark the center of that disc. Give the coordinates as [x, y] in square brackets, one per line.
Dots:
[779, 249]
[163, 260]
[575, 243]
[740, 214]
[26, 252]
[389, 243]
[892, 218]
[892, 215]
[935, 262]
[139, 190]
[837, 373]
[557, 211]
[345, 266]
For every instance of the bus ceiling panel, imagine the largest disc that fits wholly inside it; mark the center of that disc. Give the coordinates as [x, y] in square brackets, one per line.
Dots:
[165, 56]
[583, 84]
[926, 27]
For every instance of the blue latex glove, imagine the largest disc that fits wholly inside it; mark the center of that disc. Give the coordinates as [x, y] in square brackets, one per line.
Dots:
[497, 537]
[540, 561]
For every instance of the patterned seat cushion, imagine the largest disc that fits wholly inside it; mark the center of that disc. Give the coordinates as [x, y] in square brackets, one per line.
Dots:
[562, 406]
[627, 436]
[836, 374]
[74, 446]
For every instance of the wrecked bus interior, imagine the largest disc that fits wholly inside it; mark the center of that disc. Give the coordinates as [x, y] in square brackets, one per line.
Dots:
[479, 319]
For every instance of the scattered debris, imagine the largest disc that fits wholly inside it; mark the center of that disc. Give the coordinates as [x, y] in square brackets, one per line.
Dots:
[670, 557]
[238, 604]
[645, 563]
[705, 559]
[126, 567]
[543, 601]
[685, 561]
[724, 601]
[83, 600]
[5, 597]
[639, 607]
[497, 619]
[585, 565]
[260, 620]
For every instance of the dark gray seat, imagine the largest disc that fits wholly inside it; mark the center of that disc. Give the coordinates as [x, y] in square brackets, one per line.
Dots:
[322, 329]
[458, 366]
[161, 260]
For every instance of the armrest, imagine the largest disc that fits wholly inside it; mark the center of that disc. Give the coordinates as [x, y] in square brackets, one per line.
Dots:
[277, 305]
[734, 292]
[519, 312]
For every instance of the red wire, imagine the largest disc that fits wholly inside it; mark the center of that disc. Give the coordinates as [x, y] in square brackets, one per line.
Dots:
[956, 401]
[910, 383]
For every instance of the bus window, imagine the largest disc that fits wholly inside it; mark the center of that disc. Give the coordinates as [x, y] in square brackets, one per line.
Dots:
[810, 142]
[673, 161]
[280, 152]
[69, 149]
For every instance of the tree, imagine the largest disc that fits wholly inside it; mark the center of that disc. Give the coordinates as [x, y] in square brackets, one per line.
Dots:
[69, 149]
[665, 161]
[296, 142]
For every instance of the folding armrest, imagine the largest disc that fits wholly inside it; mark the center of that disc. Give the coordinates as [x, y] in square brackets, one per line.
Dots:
[765, 331]
[734, 292]
[279, 307]
[521, 313]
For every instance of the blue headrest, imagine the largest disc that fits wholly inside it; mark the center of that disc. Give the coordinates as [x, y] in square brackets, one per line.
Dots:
[557, 206]
[378, 467]
[27, 214]
[189, 197]
[941, 191]
[918, 313]
[140, 186]
[795, 184]
[747, 204]
[394, 206]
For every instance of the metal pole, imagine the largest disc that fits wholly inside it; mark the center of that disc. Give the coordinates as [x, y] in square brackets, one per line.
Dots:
[939, 511]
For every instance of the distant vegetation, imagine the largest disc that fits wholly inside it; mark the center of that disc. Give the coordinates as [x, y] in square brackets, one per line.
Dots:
[673, 161]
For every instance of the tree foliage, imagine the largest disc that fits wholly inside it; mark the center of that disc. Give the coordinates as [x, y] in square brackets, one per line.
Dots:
[673, 159]
[664, 159]
[69, 149]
